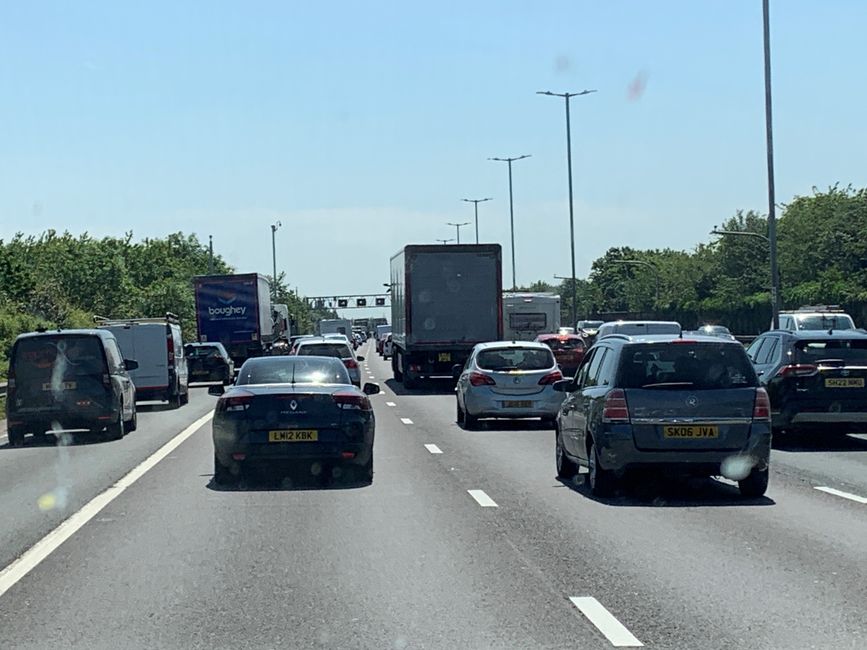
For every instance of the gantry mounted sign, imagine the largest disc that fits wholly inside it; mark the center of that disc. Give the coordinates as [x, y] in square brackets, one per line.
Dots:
[351, 301]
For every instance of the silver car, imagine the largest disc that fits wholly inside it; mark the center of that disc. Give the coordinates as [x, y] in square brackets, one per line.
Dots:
[508, 380]
[332, 346]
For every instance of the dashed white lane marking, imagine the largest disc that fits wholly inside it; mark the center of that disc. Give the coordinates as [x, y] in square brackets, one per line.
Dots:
[483, 499]
[390, 404]
[48, 544]
[840, 493]
[605, 622]
[433, 449]
[406, 420]
[371, 377]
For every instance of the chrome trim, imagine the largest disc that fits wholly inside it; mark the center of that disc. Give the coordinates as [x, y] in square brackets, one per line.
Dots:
[706, 420]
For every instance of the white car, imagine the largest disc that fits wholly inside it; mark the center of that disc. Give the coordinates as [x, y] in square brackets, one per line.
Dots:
[332, 346]
[387, 347]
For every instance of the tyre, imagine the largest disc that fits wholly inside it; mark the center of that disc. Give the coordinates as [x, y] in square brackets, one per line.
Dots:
[755, 484]
[550, 421]
[397, 367]
[175, 399]
[566, 469]
[133, 421]
[601, 481]
[411, 382]
[468, 422]
[116, 430]
[184, 398]
[223, 473]
[16, 437]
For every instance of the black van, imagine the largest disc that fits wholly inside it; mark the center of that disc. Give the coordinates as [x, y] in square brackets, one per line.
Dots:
[69, 380]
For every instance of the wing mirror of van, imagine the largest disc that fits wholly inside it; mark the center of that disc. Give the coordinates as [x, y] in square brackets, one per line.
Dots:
[130, 364]
[217, 389]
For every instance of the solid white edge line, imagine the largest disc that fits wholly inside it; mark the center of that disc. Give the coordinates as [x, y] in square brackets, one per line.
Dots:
[605, 622]
[406, 420]
[31, 558]
[483, 499]
[840, 493]
[390, 404]
[433, 449]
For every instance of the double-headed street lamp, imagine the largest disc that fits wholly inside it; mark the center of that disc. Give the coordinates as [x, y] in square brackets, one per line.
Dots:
[567, 97]
[444, 241]
[648, 265]
[458, 228]
[274, 227]
[769, 140]
[512, 209]
[475, 203]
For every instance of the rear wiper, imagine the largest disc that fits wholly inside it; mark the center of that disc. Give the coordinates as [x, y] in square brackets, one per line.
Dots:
[668, 384]
[507, 368]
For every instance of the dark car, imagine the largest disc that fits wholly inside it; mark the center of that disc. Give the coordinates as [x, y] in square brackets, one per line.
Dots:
[568, 350]
[815, 380]
[68, 380]
[664, 402]
[209, 362]
[293, 410]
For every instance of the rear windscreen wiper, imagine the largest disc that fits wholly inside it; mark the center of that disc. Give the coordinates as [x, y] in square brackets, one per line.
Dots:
[669, 384]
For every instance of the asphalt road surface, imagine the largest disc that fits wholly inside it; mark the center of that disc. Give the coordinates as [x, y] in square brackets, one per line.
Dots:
[464, 540]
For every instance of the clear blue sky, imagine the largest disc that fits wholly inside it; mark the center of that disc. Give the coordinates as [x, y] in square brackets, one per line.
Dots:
[361, 125]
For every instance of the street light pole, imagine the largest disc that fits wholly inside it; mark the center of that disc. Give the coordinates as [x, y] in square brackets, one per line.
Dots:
[475, 203]
[769, 132]
[567, 97]
[444, 241]
[274, 227]
[458, 228]
[210, 255]
[511, 210]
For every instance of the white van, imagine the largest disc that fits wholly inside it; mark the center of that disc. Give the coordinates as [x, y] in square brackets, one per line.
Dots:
[638, 327]
[156, 344]
[526, 315]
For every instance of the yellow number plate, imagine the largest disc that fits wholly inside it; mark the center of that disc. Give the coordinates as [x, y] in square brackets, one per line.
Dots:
[844, 382]
[518, 405]
[64, 385]
[293, 435]
[444, 356]
[691, 431]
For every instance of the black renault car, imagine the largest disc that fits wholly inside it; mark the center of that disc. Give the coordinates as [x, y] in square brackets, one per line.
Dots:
[299, 412]
[816, 380]
[73, 379]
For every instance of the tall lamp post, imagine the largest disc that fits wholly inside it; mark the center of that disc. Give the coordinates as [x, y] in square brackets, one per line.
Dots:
[512, 209]
[458, 227]
[769, 139]
[444, 241]
[567, 97]
[648, 265]
[475, 203]
[274, 227]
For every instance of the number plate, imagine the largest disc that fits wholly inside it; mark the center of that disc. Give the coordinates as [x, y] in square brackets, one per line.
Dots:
[844, 382]
[293, 435]
[64, 385]
[444, 356]
[518, 405]
[692, 431]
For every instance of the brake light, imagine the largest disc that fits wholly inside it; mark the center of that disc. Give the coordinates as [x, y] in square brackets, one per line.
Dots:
[798, 370]
[171, 351]
[762, 408]
[550, 378]
[615, 407]
[680, 341]
[11, 380]
[350, 363]
[349, 399]
[481, 379]
[235, 403]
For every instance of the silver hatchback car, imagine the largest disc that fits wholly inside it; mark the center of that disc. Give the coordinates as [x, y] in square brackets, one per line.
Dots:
[508, 380]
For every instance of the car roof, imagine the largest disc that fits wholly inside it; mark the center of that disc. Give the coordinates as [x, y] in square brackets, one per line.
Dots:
[101, 333]
[499, 345]
[333, 340]
[821, 334]
[548, 336]
[641, 322]
[667, 338]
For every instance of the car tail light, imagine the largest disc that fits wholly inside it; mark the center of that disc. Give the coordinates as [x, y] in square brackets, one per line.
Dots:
[762, 408]
[11, 379]
[106, 380]
[798, 370]
[550, 378]
[682, 341]
[615, 407]
[349, 399]
[350, 363]
[235, 403]
[170, 355]
[481, 379]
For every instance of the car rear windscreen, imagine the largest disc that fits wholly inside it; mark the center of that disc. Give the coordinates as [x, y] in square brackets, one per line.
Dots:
[286, 370]
[852, 351]
[515, 359]
[202, 352]
[694, 366]
[564, 345]
[339, 350]
[57, 358]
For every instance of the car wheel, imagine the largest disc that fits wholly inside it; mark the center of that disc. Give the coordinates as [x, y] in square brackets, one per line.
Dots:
[116, 430]
[566, 469]
[16, 437]
[755, 484]
[600, 480]
[397, 367]
[223, 473]
[550, 421]
[468, 422]
[133, 421]
[184, 398]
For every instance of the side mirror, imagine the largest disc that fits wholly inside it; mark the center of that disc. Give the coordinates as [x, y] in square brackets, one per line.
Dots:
[370, 389]
[457, 370]
[563, 386]
[130, 364]
[217, 390]
[359, 358]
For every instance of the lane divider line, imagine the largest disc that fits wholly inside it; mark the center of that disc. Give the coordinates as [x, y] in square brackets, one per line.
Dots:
[433, 449]
[605, 622]
[31, 558]
[840, 493]
[483, 499]
[406, 420]
[390, 404]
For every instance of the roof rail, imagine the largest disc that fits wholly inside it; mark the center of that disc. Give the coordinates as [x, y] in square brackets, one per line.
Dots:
[833, 309]
[102, 321]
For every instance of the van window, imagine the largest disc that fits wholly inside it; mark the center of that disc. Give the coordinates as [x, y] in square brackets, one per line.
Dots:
[825, 322]
[698, 366]
[115, 358]
[528, 321]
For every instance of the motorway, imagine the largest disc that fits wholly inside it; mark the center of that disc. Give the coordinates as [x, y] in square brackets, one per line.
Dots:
[464, 540]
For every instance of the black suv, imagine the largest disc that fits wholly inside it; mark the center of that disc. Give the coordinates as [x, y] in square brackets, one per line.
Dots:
[209, 362]
[69, 380]
[815, 379]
